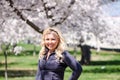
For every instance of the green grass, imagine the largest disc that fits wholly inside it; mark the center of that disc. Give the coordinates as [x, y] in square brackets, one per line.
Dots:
[84, 76]
[103, 66]
[19, 78]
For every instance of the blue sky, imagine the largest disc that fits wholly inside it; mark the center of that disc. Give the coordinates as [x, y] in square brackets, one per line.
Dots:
[112, 9]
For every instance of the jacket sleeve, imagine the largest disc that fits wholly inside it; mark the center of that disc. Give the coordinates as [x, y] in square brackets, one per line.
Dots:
[73, 64]
[38, 74]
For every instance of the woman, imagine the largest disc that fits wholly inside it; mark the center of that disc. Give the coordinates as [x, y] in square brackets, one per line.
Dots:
[53, 58]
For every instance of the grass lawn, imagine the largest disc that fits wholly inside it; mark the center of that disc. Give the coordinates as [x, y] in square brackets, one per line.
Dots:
[104, 66]
[84, 76]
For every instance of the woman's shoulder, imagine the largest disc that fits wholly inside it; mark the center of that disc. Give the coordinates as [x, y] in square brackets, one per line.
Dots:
[65, 53]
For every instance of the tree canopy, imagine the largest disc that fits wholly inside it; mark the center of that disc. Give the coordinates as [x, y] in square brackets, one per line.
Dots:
[26, 19]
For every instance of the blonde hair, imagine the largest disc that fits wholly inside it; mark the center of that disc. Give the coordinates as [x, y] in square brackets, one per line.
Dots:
[61, 45]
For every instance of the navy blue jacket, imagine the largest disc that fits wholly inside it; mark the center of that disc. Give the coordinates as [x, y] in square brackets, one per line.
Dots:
[51, 69]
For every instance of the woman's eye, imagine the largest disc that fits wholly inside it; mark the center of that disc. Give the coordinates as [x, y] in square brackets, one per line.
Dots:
[53, 39]
[46, 39]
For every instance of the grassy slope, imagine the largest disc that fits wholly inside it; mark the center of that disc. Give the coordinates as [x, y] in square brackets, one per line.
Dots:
[104, 66]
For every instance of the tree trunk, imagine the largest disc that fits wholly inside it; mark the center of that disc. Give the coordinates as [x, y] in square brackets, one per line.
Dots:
[34, 50]
[86, 54]
[5, 54]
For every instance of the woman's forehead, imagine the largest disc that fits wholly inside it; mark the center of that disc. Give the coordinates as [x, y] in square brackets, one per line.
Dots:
[50, 35]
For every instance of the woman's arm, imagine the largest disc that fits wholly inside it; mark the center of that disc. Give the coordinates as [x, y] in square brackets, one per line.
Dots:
[38, 72]
[73, 64]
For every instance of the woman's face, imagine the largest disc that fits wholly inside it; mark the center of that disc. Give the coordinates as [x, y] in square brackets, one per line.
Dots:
[51, 41]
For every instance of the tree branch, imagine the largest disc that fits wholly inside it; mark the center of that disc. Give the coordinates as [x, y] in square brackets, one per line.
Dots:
[62, 19]
[31, 24]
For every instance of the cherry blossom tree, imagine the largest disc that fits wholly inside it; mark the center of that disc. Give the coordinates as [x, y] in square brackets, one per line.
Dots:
[26, 19]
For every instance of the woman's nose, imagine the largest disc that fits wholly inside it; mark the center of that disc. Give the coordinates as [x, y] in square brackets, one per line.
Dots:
[50, 41]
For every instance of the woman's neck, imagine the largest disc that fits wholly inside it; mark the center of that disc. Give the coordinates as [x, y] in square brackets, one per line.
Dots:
[49, 53]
